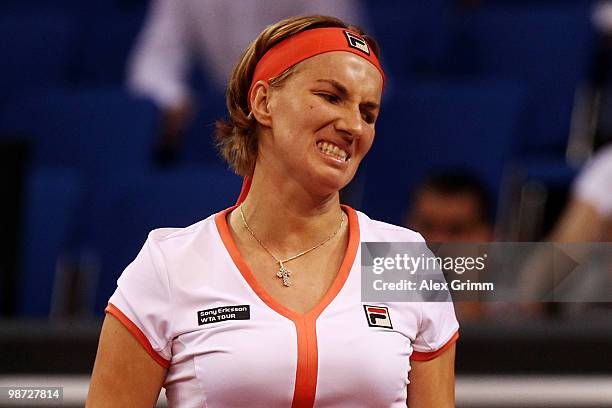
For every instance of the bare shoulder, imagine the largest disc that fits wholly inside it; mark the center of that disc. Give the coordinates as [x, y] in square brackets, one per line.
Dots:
[124, 373]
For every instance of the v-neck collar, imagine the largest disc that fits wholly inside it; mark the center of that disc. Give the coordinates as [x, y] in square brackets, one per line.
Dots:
[332, 292]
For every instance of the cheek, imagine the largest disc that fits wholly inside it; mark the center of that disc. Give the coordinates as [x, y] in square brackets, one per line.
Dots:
[318, 113]
[311, 120]
[366, 142]
[298, 118]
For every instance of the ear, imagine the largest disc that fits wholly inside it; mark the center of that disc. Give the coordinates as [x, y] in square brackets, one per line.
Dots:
[260, 103]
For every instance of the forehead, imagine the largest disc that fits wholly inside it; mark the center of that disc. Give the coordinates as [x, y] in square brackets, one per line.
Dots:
[459, 204]
[355, 73]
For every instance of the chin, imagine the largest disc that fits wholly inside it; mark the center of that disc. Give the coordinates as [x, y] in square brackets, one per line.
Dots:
[326, 180]
[331, 184]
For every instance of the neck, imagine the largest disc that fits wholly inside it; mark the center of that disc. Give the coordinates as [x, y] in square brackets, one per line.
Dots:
[287, 217]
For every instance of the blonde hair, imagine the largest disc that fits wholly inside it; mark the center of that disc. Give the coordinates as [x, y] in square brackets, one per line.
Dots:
[237, 138]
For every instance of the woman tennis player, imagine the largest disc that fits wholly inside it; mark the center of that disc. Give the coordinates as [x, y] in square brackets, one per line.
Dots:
[259, 305]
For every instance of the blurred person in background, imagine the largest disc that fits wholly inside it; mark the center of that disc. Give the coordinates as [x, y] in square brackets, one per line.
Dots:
[453, 206]
[213, 33]
[601, 19]
[588, 215]
[586, 218]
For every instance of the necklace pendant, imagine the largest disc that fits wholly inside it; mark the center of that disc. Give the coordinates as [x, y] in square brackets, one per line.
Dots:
[284, 274]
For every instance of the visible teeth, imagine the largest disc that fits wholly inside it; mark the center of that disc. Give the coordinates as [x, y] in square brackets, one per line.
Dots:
[332, 150]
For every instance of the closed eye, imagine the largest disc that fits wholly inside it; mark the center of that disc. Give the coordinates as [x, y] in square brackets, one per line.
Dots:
[331, 98]
[368, 117]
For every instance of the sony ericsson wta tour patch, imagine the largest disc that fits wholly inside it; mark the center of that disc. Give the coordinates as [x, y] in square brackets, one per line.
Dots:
[222, 313]
[378, 316]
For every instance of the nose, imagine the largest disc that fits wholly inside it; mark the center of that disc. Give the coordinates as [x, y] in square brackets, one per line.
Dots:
[350, 123]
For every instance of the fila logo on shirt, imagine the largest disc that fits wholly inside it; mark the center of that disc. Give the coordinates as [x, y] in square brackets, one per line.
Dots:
[354, 41]
[378, 316]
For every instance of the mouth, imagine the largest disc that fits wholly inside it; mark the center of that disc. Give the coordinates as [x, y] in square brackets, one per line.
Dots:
[333, 151]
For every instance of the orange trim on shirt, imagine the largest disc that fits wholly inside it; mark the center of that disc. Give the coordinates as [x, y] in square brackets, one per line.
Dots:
[244, 191]
[425, 356]
[305, 324]
[305, 388]
[137, 333]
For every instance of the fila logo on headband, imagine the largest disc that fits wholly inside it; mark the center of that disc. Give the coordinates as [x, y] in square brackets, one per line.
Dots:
[354, 41]
[378, 316]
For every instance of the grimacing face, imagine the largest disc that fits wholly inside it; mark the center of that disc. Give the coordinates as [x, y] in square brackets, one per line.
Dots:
[322, 121]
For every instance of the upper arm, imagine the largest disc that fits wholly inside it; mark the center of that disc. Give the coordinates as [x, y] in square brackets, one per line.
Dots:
[124, 373]
[580, 222]
[432, 382]
[432, 374]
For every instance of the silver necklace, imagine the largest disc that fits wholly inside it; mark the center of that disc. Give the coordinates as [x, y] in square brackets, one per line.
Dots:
[284, 273]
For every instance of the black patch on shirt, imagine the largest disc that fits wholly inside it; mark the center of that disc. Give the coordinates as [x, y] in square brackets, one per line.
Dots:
[223, 313]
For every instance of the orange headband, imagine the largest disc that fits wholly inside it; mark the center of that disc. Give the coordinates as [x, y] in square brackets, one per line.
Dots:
[307, 44]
